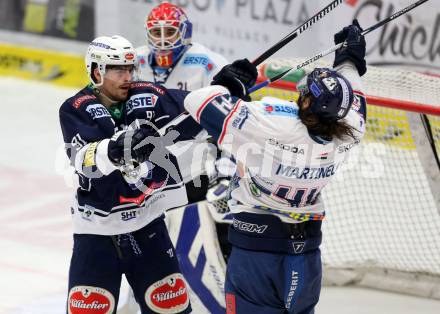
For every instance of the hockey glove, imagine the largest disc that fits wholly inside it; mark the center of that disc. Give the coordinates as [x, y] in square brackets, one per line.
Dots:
[237, 77]
[354, 49]
[122, 147]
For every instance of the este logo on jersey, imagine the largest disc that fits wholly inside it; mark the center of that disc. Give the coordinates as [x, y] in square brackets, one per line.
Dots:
[138, 101]
[280, 110]
[198, 60]
[97, 111]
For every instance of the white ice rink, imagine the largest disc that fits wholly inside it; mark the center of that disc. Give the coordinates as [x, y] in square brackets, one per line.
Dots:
[35, 229]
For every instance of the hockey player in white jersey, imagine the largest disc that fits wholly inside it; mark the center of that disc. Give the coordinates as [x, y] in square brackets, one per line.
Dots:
[170, 57]
[286, 153]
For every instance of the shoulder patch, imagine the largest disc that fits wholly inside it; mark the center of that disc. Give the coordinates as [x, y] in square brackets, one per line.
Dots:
[358, 101]
[149, 85]
[199, 60]
[81, 100]
[144, 100]
[97, 111]
[279, 110]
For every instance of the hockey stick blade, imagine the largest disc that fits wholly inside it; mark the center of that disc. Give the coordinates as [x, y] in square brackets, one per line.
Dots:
[291, 36]
[334, 48]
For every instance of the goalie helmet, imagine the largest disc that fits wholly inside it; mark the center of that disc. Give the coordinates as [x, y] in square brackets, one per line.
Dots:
[105, 50]
[168, 31]
[331, 93]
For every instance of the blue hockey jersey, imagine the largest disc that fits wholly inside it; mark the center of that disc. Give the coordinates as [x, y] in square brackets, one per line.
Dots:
[106, 203]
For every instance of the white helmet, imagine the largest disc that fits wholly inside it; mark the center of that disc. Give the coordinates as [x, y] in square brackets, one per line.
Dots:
[105, 50]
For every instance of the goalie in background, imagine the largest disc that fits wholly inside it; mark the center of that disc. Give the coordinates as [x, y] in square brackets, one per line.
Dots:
[286, 154]
[170, 57]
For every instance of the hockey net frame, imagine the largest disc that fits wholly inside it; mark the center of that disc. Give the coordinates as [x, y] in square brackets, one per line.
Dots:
[369, 246]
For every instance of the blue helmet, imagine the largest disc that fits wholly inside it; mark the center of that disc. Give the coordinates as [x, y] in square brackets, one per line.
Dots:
[331, 93]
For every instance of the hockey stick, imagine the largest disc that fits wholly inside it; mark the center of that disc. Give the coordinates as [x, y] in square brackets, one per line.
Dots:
[334, 48]
[291, 36]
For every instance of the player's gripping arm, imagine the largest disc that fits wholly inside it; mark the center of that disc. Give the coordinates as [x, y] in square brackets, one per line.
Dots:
[91, 144]
[350, 62]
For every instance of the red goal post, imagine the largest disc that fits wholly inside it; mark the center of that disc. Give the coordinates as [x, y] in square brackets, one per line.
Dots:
[382, 228]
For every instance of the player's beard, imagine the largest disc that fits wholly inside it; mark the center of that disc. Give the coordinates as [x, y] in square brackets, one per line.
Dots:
[114, 90]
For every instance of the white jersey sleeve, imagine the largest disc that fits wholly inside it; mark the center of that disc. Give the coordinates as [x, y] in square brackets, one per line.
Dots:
[356, 117]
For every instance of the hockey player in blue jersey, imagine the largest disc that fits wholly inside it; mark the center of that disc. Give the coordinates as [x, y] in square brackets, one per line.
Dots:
[124, 186]
[286, 154]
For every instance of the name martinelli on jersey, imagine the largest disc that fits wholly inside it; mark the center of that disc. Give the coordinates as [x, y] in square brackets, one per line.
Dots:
[307, 173]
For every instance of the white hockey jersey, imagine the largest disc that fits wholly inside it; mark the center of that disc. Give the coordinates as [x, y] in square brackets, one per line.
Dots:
[281, 167]
[195, 69]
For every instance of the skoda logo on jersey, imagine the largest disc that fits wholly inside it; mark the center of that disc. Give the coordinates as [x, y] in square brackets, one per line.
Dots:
[280, 110]
[138, 101]
[97, 111]
[291, 148]
[198, 60]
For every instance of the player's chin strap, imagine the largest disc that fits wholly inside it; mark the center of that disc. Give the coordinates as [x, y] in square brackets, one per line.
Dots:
[98, 93]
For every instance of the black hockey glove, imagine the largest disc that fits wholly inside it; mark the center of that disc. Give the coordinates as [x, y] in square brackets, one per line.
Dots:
[237, 77]
[354, 49]
[122, 147]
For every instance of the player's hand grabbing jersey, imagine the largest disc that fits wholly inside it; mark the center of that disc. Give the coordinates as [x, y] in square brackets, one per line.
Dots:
[281, 167]
[105, 201]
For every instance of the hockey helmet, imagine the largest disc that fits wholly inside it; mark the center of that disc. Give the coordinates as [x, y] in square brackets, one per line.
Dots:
[168, 27]
[105, 50]
[332, 94]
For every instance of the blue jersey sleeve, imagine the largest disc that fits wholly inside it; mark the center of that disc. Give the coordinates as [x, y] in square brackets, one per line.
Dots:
[87, 127]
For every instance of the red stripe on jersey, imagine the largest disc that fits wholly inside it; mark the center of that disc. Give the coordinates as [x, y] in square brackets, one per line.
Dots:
[230, 304]
[225, 124]
[199, 111]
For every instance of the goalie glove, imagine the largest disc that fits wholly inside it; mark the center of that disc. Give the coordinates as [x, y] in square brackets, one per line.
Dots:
[122, 147]
[237, 77]
[354, 49]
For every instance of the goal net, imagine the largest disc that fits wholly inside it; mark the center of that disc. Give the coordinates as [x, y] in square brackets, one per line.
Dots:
[382, 227]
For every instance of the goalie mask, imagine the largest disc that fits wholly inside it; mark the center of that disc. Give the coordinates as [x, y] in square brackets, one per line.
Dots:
[331, 93]
[104, 52]
[169, 31]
